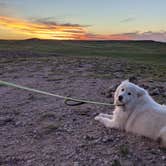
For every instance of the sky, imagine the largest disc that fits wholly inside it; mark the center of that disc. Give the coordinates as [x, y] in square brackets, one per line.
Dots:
[83, 19]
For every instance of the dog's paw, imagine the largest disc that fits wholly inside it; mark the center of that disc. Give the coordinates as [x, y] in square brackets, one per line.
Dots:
[101, 114]
[105, 116]
[105, 121]
[98, 117]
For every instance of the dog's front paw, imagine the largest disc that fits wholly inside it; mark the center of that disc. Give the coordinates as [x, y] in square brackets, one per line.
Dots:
[104, 116]
[106, 121]
[98, 117]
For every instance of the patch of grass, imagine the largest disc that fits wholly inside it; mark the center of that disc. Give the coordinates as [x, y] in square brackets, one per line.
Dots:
[49, 116]
[116, 162]
[163, 149]
[124, 150]
[142, 51]
[47, 127]
[139, 58]
[50, 128]
[7, 61]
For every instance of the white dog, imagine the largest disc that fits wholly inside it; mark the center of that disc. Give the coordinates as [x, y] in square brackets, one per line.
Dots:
[136, 112]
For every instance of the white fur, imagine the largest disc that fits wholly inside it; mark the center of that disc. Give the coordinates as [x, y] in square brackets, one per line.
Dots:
[137, 113]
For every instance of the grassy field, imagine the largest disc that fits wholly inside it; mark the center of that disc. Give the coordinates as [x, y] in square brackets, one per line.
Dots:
[140, 51]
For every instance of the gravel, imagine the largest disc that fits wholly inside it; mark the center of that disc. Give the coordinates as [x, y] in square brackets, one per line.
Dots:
[38, 130]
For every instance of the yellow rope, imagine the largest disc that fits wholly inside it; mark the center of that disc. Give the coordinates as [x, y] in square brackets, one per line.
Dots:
[51, 94]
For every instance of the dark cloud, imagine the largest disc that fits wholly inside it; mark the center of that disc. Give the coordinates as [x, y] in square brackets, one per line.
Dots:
[46, 20]
[2, 4]
[6, 9]
[3, 8]
[50, 21]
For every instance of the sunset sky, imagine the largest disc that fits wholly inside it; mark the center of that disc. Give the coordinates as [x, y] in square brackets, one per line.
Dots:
[83, 19]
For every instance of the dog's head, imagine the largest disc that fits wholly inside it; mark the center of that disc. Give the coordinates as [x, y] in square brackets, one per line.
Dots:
[128, 94]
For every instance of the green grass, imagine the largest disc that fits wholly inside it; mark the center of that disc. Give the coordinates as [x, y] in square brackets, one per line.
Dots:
[124, 150]
[140, 51]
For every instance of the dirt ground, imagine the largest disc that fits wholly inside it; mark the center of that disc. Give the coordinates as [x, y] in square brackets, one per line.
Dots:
[37, 130]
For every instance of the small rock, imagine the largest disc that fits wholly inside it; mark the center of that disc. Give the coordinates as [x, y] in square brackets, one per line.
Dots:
[18, 123]
[5, 120]
[151, 81]
[118, 75]
[76, 163]
[74, 119]
[29, 161]
[112, 88]
[110, 91]
[30, 97]
[107, 139]
[145, 86]
[88, 137]
[164, 94]
[163, 157]
[155, 92]
[133, 79]
[109, 95]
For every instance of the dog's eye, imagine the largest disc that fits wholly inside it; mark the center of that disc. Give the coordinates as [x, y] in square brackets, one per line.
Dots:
[129, 93]
[122, 89]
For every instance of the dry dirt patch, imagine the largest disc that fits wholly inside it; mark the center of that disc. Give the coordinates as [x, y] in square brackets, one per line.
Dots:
[40, 130]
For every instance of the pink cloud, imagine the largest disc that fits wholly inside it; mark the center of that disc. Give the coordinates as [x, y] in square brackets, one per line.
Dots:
[149, 35]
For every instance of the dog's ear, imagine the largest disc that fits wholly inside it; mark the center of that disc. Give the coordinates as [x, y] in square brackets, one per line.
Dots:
[125, 81]
[140, 91]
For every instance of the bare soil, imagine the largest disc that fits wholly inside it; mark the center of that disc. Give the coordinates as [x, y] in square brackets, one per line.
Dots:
[37, 130]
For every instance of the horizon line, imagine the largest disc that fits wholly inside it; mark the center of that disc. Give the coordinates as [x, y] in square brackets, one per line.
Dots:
[39, 39]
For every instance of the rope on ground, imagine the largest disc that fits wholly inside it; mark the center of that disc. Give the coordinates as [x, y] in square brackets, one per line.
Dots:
[67, 99]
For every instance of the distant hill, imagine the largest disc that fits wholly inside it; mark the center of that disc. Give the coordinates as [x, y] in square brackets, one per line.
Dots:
[123, 41]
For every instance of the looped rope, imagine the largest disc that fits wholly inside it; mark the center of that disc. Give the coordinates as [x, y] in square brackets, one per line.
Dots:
[70, 102]
[67, 99]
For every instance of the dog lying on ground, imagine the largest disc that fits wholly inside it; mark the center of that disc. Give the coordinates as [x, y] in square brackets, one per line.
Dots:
[136, 112]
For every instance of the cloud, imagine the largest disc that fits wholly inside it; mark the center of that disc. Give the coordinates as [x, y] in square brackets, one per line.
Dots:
[48, 28]
[6, 9]
[44, 29]
[2, 4]
[91, 36]
[51, 21]
[130, 19]
[148, 35]
[3, 8]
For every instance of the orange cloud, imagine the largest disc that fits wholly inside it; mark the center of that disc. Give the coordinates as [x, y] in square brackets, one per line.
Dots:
[43, 30]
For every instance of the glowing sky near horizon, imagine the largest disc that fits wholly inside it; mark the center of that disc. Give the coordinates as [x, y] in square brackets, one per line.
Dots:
[83, 20]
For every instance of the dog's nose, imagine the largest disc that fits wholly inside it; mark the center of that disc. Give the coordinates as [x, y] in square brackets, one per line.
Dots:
[120, 98]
